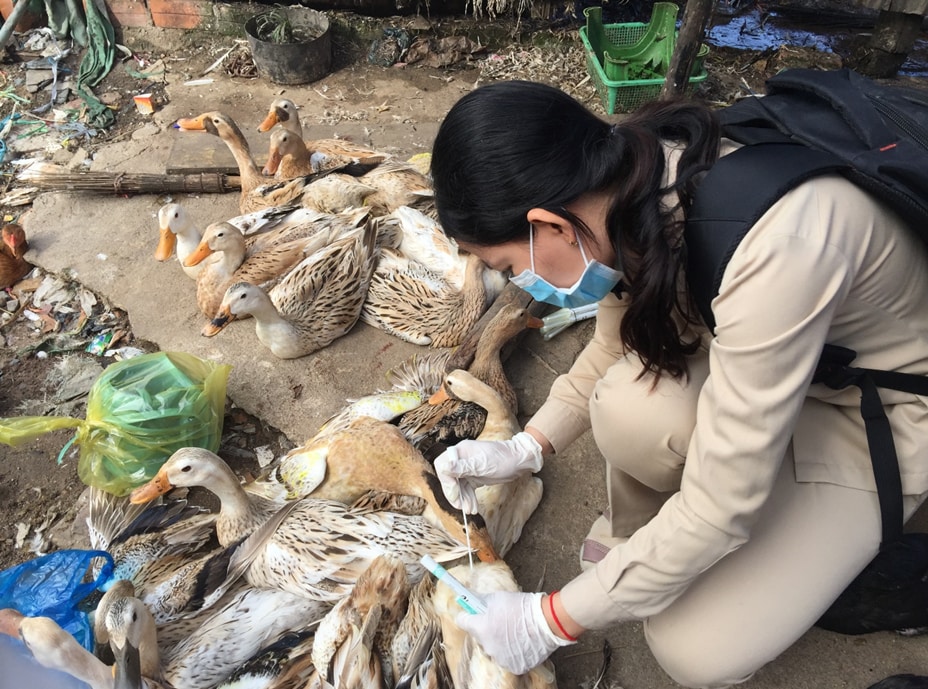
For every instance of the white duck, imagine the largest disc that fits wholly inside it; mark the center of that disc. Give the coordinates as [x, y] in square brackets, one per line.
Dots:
[468, 664]
[505, 507]
[178, 232]
[320, 548]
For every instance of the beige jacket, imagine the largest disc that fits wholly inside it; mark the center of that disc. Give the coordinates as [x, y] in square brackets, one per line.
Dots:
[826, 263]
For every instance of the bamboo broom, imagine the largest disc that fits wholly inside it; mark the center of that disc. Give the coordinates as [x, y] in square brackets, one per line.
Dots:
[52, 177]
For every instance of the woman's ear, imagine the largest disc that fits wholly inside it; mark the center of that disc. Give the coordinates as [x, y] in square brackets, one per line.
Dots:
[546, 221]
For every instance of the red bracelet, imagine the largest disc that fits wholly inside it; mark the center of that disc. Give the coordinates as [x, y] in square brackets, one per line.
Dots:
[557, 621]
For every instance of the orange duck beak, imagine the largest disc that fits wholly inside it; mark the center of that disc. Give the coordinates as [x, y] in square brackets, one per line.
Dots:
[441, 395]
[196, 124]
[534, 322]
[273, 162]
[166, 243]
[159, 485]
[220, 321]
[269, 121]
[198, 255]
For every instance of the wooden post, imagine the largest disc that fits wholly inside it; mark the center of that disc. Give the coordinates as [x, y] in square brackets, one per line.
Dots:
[696, 18]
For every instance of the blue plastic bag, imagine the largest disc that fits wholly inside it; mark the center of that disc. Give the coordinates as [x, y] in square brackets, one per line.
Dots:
[53, 585]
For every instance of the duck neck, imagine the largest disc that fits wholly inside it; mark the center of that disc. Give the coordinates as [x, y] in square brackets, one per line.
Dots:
[237, 514]
[232, 257]
[251, 176]
[488, 366]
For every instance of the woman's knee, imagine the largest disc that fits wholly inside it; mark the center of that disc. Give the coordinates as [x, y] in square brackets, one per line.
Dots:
[642, 430]
[691, 662]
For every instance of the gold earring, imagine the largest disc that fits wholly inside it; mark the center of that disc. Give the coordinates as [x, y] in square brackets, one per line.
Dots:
[573, 243]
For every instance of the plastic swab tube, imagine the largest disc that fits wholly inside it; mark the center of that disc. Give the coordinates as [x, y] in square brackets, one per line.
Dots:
[556, 322]
[466, 598]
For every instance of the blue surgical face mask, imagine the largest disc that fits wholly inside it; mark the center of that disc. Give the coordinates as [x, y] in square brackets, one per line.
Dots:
[596, 281]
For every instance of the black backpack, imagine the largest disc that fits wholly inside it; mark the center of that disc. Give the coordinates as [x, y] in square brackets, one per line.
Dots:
[813, 123]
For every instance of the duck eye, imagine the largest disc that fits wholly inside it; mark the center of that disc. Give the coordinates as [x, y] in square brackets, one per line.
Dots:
[186, 468]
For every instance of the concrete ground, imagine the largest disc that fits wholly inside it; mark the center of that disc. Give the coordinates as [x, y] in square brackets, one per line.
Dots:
[107, 244]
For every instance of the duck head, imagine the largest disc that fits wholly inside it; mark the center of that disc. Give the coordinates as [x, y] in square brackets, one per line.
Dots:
[219, 236]
[282, 112]
[283, 142]
[170, 216]
[188, 466]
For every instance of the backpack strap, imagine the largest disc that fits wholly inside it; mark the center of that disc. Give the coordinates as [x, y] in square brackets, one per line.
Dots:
[736, 191]
[834, 371]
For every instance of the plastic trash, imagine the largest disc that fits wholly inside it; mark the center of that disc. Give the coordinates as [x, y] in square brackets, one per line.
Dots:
[139, 411]
[53, 586]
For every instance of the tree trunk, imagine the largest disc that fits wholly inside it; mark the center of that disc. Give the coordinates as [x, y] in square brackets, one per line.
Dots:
[696, 18]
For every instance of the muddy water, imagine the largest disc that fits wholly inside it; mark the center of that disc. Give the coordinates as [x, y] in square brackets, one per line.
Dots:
[754, 31]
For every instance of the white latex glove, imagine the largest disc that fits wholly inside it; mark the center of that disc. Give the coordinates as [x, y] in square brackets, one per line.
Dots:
[513, 631]
[470, 464]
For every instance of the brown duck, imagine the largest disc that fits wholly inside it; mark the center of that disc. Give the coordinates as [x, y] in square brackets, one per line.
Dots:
[451, 420]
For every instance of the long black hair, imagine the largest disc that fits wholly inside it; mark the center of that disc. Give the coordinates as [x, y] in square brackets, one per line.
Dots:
[508, 147]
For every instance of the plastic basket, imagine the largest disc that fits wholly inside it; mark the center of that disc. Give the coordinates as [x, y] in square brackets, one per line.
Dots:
[624, 96]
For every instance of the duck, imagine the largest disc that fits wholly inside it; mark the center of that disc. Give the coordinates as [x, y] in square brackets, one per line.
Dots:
[320, 546]
[410, 301]
[284, 112]
[235, 631]
[236, 265]
[417, 639]
[117, 590]
[468, 665]
[13, 266]
[328, 153]
[505, 507]
[256, 192]
[335, 192]
[353, 644]
[132, 634]
[222, 640]
[306, 464]
[55, 648]
[285, 662]
[370, 454]
[177, 232]
[398, 184]
[453, 420]
[316, 302]
[424, 240]
[163, 552]
[290, 156]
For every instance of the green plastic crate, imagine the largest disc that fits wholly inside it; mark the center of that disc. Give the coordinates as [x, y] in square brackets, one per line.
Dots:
[625, 96]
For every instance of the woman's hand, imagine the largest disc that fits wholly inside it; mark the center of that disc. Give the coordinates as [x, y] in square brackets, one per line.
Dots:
[513, 631]
[473, 463]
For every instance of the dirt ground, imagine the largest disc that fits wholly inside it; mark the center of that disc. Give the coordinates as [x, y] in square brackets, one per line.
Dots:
[44, 369]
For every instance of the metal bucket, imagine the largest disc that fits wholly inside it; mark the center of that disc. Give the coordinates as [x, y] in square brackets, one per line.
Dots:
[300, 62]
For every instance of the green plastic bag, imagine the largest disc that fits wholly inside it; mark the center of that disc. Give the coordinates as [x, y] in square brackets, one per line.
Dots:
[139, 411]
